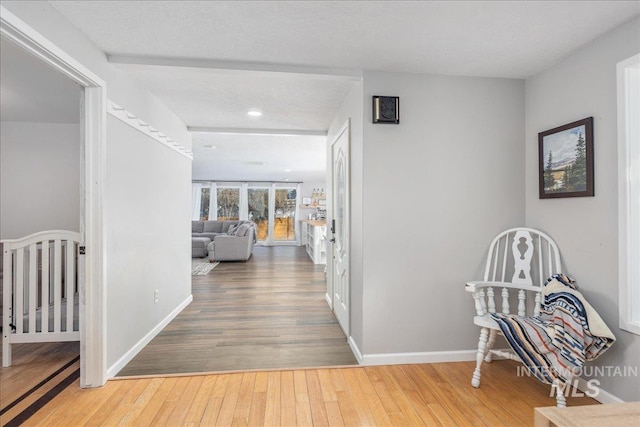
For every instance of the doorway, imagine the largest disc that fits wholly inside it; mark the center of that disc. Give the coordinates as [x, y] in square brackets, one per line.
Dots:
[91, 157]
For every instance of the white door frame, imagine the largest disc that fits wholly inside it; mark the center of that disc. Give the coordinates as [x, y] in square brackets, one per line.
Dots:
[93, 118]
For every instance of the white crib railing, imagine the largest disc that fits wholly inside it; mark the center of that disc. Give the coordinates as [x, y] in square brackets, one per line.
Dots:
[40, 289]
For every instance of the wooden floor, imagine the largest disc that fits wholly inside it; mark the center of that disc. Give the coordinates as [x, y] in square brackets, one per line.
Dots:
[269, 312]
[37, 369]
[438, 394]
[427, 394]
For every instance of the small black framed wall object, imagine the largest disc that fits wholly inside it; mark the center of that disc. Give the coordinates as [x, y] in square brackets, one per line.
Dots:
[565, 160]
[386, 109]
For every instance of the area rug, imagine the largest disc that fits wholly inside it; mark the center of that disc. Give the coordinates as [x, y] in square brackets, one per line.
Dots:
[201, 266]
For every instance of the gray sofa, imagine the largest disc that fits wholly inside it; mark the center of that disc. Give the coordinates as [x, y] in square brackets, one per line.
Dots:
[222, 240]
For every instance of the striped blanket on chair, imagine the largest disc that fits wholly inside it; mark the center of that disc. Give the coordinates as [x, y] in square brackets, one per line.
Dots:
[555, 345]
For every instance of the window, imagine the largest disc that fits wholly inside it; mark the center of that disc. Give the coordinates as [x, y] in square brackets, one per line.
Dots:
[285, 215]
[204, 203]
[228, 204]
[629, 192]
[271, 206]
[259, 210]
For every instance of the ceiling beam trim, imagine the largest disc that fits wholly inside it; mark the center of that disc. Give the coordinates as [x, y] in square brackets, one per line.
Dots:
[250, 131]
[348, 74]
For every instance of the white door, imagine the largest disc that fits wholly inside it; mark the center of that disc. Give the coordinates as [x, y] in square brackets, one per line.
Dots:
[340, 227]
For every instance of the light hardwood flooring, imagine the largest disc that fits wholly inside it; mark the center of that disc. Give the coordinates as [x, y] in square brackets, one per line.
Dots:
[428, 394]
[438, 394]
[36, 370]
[269, 312]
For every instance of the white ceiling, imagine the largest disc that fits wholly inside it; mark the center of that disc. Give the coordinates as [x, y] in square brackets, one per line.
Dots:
[31, 91]
[474, 38]
[259, 157]
[227, 51]
[221, 98]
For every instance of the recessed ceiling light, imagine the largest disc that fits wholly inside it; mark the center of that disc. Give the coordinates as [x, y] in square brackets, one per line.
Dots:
[287, 170]
[212, 147]
[254, 113]
[286, 179]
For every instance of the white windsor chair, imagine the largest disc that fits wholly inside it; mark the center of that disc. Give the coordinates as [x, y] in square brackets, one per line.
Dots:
[519, 259]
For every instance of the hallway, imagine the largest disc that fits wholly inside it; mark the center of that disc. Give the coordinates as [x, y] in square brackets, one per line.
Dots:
[267, 313]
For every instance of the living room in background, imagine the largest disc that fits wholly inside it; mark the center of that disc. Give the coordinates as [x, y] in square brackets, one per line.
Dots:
[272, 206]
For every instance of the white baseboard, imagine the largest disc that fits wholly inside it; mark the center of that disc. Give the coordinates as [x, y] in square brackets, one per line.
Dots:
[356, 350]
[328, 298]
[597, 393]
[408, 358]
[419, 357]
[129, 355]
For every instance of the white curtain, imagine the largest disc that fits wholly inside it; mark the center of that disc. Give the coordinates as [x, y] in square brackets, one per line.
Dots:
[297, 215]
[196, 200]
[244, 201]
[213, 202]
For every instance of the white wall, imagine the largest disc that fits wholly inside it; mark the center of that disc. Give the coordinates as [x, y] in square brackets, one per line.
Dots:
[39, 178]
[583, 85]
[121, 88]
[148, 234]
[437, 188]
[306, 188]
[146, 214]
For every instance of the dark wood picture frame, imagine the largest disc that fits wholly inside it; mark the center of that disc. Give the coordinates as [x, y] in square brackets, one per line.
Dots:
[565, 160]
[386, 109]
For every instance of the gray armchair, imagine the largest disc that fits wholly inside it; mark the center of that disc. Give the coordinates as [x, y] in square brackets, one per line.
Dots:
[237, 247]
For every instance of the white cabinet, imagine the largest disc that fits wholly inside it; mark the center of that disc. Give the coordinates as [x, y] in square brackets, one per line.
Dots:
[314, 240]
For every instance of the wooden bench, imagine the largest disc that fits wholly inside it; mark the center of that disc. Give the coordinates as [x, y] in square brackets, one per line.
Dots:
[615, 414]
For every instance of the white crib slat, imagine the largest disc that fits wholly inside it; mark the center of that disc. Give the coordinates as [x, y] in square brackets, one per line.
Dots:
[32, 295]
[44, 327]
[7, 303]
[504, 257]
[70, 279]
[536, 311]
[19, 303]
[57, 285]
[7, 288]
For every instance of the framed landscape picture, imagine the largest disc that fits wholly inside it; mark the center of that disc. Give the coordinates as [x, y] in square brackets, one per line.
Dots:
[565, 160]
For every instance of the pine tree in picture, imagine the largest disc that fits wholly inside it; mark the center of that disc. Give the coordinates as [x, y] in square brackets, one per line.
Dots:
[549, 180]
[579, 169]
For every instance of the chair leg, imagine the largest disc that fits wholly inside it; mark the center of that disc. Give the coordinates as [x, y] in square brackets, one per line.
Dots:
[492, 339]
[561, 401]
[482, 351]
